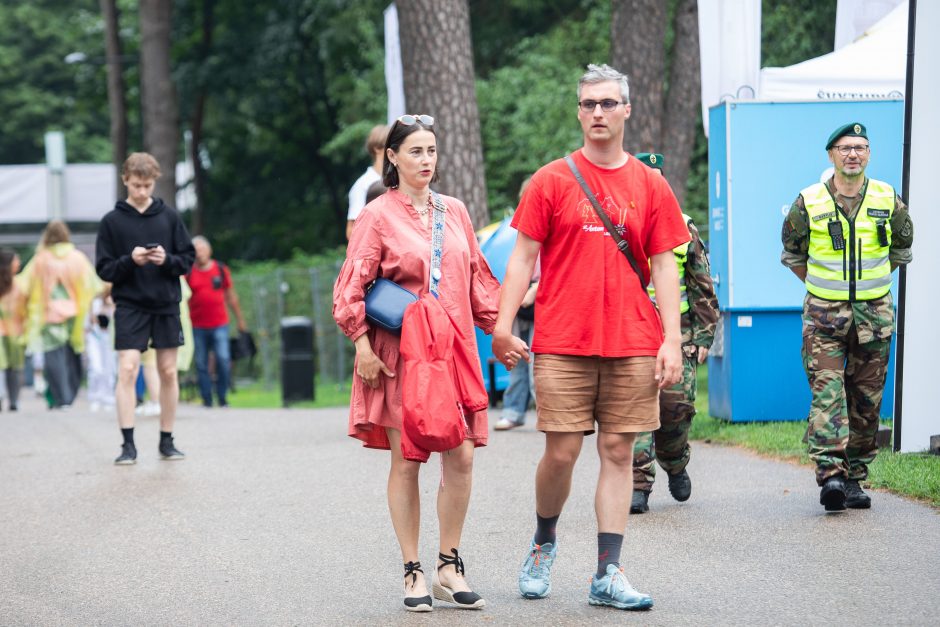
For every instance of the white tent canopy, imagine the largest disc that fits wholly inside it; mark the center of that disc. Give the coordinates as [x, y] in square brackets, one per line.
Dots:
[873, 67]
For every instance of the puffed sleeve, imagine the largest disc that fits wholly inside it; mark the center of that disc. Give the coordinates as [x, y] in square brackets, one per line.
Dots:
[484, 287]
[360, 268]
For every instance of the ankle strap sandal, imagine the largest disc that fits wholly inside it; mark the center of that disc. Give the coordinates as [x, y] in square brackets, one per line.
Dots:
[412, 568]
[464, 600]
[416, 604]
[456, 561]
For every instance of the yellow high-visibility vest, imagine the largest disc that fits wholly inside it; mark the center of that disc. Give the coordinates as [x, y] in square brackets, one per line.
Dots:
[848, 259]
[682, 254]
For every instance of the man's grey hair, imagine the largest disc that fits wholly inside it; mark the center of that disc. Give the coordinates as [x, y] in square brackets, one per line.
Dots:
[199, 238]
[602, 74]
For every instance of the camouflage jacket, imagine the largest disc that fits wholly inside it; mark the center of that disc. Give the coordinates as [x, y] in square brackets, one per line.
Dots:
[698, 324]
[795, 235]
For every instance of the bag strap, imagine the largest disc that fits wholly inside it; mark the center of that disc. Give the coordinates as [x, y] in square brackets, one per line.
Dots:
[437, 243]
[622, 244]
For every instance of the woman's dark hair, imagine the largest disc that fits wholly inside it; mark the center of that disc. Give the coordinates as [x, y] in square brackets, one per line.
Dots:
[396, 137]
[6, 270]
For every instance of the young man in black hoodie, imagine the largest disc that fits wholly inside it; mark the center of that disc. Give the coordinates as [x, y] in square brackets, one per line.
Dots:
[143, 249]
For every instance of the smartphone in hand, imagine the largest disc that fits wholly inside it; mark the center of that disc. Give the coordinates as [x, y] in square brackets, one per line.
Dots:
[150, 246]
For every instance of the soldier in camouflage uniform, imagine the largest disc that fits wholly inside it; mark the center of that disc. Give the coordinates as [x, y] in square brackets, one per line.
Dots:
[843, 238]
[669, 445]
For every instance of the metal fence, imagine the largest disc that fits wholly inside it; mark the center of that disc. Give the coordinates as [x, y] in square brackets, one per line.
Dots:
[266, 298]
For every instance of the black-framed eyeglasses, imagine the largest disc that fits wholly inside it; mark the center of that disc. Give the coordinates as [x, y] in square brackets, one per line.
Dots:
[606, 105]
[846, 150]
[410, 120]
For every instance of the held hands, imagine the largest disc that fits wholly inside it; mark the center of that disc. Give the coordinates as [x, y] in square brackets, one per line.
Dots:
[669, 363]
[509, 349]
[369, 367]
[142, 256]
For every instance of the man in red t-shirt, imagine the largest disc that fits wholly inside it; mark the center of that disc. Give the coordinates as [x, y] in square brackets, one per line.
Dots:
[602, 352]
[212, 289]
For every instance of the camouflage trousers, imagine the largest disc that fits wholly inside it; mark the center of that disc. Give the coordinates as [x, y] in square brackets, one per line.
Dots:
[846, 378]
[669, 445]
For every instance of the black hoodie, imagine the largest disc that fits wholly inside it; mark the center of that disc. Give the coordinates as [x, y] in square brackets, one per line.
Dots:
[151, 288]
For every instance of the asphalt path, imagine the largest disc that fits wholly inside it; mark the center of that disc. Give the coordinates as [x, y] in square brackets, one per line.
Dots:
[276, 517]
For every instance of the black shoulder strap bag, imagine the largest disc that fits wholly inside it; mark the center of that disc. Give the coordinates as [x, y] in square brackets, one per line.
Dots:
[622, 244]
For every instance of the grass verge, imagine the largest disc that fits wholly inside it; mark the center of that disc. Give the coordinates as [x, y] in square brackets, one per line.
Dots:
[257, 395]
[916, 475]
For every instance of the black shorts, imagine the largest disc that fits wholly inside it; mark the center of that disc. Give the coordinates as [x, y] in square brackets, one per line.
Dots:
[139, 330]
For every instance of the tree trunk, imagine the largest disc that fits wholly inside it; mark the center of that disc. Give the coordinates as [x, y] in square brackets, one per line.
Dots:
[158, 94]
[637, 30]
[682, 105]
[437, 63]
[116, 89]
[199, 175]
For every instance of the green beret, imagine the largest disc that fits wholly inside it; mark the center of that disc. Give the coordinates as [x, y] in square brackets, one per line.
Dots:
[651, 159]
[852, 129]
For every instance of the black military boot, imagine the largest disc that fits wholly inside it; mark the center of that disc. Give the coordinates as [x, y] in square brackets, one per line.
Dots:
[832, 495]
[640, 503]
[680, 486]
[855, 497]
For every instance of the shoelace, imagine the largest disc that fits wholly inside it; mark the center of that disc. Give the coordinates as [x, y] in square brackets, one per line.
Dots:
[537, 553]
[619, 577]
[454, 561]
[413, 568]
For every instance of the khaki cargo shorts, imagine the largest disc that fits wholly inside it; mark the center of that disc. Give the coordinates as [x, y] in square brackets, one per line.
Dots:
[620, 394]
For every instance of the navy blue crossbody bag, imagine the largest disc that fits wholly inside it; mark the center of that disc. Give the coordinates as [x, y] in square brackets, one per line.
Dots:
[385, 304]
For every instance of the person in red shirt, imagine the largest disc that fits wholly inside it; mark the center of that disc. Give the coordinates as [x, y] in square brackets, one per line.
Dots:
[602, 352]
[212, 289]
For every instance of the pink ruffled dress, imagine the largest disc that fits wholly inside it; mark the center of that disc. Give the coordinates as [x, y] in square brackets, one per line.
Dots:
[390, 240]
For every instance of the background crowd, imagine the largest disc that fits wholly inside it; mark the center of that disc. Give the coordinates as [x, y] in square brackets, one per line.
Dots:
[56, 330]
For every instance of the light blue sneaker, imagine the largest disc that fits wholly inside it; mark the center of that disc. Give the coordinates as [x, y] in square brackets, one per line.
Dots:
[535, 578]
[614, 590]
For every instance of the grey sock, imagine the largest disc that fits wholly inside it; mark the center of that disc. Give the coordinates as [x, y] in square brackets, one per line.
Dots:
[545, 529]
[608, 551]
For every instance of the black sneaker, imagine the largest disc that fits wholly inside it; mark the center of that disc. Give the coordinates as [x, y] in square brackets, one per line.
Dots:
[855, 497]
[128, 455]
[640, 503]
[170, 452]
[680, 486]
[832, 495]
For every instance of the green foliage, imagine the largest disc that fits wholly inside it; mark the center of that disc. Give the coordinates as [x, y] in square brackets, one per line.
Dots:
[40, 92]
[291, 85]
[796, 31]
[499, 25]
[528, 106]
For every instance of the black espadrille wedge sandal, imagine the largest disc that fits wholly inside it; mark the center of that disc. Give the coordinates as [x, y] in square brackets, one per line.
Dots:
[464, 600]
[416, 604]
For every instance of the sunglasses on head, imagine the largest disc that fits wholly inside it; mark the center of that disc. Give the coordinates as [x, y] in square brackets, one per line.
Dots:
[409, 120]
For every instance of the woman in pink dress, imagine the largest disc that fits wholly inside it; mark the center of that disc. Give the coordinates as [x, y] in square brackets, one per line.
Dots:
[392, 239]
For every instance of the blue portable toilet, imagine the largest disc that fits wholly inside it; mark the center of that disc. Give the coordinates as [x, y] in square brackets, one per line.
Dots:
[760, 155]
[496, 246]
